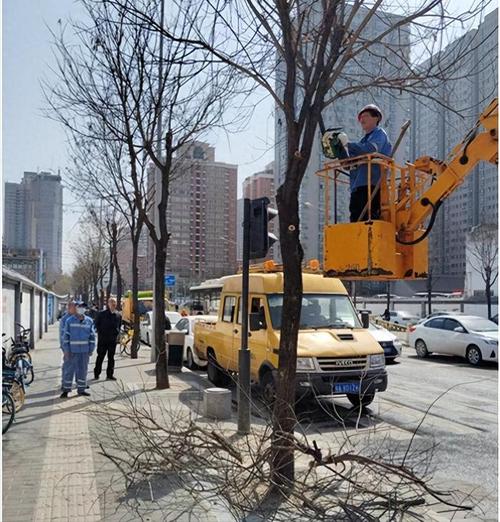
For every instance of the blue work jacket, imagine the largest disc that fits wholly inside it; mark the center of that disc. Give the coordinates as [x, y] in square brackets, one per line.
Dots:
[374, 141]
[79, 335]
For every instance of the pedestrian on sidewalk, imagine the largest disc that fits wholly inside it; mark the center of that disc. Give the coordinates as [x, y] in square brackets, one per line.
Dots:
[78, 346]
[70, 310]
[108, 324]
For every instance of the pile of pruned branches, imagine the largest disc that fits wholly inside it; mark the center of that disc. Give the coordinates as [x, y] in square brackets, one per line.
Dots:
[355, 478]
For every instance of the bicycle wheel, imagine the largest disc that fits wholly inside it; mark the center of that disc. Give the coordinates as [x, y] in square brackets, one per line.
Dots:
[18, 395]
[126, 347]
[13, 357]
[26, 368]
[8, 410]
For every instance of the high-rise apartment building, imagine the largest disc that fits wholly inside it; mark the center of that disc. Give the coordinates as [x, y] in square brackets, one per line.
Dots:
[14, 223]
[33, 216]
[343, 113]
[261, 185]
[437, 126]
[201, 217]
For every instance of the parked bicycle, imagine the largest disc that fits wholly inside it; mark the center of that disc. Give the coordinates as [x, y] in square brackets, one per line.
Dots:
[125, 340]
[13, 382]
[8, 410]
[19, 357]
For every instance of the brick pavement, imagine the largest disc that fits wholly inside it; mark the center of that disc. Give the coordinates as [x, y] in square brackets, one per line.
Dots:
[52, 469]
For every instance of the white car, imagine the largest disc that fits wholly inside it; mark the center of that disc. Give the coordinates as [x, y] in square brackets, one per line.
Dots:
[186, 325]
[402, 317]
[146, 325]
[469, 336]
[391, 345]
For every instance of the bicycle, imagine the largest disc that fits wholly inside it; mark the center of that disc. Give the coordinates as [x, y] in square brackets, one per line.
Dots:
[125, 340]
[14, 384]
[8, 410]
[19, 357]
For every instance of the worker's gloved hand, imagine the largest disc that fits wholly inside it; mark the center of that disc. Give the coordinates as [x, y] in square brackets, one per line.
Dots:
[342, 137]
[331, 143]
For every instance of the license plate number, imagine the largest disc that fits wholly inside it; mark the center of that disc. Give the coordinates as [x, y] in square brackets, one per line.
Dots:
[346, 387]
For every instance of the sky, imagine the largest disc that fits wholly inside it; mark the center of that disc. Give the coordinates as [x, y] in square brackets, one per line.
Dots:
[31, 141]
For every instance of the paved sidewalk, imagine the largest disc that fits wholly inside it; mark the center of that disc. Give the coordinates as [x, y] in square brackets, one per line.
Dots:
[52, 466]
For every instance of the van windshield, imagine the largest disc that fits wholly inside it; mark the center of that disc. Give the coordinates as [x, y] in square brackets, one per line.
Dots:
[318, 311]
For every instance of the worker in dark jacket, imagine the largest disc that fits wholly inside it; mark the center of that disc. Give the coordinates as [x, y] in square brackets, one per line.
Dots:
[107, 323]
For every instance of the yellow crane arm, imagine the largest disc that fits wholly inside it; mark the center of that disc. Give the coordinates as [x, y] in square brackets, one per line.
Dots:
[481, 144]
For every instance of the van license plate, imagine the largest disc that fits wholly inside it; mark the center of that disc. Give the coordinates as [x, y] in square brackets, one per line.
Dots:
[347, 387]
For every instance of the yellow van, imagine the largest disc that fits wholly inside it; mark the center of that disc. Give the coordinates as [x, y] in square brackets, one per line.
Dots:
[335, 354]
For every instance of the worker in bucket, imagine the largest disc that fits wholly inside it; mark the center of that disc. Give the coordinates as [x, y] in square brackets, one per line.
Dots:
[78, 346]
[375, 140]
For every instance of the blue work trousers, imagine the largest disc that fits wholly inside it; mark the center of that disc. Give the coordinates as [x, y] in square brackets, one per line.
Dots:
[76, 365]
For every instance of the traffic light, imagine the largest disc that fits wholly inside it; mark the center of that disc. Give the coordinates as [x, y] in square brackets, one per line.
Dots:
[261, 239]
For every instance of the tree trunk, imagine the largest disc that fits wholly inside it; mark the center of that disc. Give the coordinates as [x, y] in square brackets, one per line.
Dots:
[162, 381]
[488, 294]
[282, 458]
[429, 293]
[119, 281]
[111, 273]
[95, 298]
[135, 296]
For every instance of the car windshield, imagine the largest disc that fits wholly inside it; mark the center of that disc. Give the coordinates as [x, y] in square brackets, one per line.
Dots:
[478, 324]
[318, 311]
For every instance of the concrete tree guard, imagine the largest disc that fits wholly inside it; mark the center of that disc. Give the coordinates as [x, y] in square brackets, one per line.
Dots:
[217, 403]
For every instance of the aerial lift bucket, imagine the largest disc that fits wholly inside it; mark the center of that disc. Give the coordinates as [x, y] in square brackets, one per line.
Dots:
[369, 250]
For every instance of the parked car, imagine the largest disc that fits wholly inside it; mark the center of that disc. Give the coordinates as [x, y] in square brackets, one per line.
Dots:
[469, 336]
[147, 322]
[391, 345]
[186, 325]
[438, 314]
[402, 317]
[384, 296]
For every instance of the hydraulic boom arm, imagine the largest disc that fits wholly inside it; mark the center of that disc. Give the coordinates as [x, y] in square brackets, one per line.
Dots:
[481, 144]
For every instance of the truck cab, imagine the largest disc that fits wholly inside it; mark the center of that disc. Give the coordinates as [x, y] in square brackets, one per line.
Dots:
[335, 354]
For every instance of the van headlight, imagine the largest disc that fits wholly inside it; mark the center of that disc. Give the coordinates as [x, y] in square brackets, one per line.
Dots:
[377, 361]
[305, 364]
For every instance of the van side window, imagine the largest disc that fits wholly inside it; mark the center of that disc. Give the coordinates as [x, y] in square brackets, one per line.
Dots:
[229, 307]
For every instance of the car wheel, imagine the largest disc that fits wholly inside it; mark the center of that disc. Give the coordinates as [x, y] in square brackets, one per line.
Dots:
[358, 399]
[268, 387]
[216, 375]
[421, 349]
[474, 355]
[190, 360]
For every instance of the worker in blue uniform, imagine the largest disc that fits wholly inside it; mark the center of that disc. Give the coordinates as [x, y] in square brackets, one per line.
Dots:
[375, 140]
[70, 310]
[78, 345]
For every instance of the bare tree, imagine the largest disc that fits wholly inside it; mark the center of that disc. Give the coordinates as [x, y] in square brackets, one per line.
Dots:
[483, 255]
[302, 54]
[99, 171]
[92, 259]
[152, 96]
[112, 228]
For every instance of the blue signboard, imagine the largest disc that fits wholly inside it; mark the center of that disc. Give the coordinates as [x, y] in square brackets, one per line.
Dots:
[170, 280]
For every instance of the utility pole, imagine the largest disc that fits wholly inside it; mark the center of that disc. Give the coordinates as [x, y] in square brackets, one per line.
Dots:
[244, 353]
[155, 350]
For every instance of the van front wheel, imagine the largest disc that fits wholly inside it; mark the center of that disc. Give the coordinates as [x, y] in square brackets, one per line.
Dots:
[215, 373]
